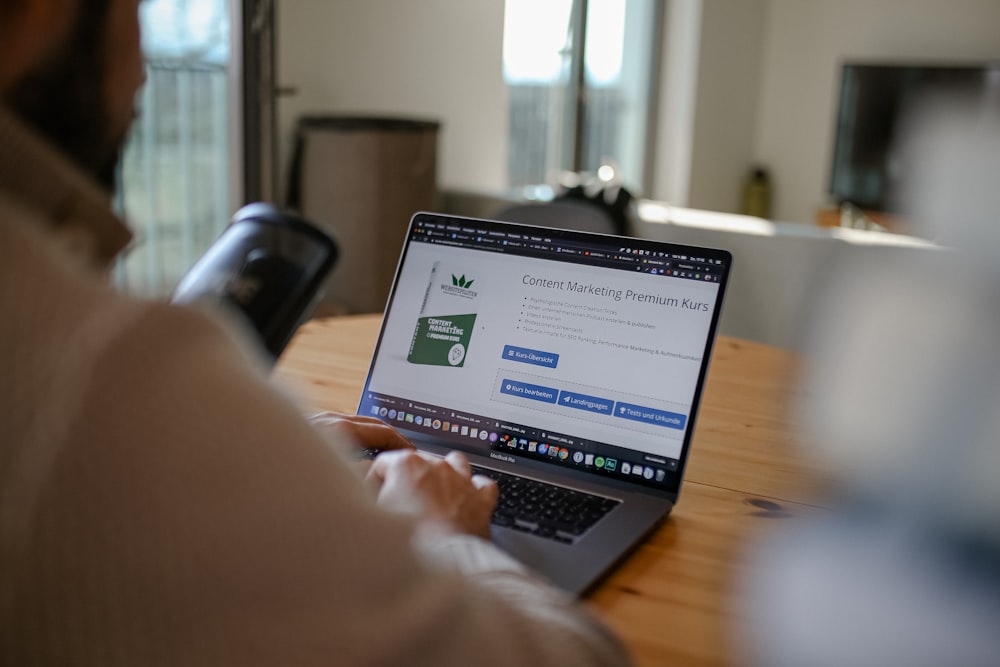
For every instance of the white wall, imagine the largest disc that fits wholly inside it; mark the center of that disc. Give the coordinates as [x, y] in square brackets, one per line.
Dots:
[805, 42]
[434, 59]
[729, 73]
[678, 85]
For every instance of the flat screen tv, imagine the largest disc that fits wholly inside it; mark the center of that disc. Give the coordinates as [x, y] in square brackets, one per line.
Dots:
[874, 101]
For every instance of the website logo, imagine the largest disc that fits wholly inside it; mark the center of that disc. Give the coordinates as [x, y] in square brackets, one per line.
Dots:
[460, 286]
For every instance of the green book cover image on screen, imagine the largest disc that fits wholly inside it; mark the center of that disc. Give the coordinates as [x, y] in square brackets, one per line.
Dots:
[447, 317]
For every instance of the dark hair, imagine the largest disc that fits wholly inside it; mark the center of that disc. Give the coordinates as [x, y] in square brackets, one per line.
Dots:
[64, 99]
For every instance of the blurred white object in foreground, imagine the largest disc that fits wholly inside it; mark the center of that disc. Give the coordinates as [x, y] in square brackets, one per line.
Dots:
[903, 407]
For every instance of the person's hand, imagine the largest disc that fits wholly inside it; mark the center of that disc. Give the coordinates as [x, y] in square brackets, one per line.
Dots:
[442, 492]
[361, 432]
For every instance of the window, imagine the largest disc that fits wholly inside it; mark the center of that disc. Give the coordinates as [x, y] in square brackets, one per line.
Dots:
[175, 178]
[579, 75]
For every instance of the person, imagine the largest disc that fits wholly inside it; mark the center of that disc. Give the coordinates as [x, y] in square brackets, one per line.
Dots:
[160, 503]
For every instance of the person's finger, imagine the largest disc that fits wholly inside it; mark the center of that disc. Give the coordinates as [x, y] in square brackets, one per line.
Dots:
[360, 419]
[459, 462]
[365, 432]
[486, 488]
[387, 463]
[373, 476]
[376, 435]
[380, 466]
[326, 418]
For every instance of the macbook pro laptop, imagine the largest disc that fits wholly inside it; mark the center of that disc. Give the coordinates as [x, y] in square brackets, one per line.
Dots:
[567, 366]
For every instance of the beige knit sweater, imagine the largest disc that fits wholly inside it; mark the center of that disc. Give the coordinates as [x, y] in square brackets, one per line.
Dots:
[160, 504]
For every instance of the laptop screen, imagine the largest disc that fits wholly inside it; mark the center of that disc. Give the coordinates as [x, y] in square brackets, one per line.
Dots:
[577, 350]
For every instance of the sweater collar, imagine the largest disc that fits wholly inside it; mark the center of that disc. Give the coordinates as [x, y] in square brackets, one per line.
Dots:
[35, 173]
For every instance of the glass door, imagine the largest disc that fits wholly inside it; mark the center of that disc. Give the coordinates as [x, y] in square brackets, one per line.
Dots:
[176, 187]
[579, 77]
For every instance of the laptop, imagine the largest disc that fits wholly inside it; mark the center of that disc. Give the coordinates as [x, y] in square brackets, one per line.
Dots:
[568, 366]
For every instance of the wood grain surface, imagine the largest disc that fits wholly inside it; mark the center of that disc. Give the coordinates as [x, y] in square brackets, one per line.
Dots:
[672, 599]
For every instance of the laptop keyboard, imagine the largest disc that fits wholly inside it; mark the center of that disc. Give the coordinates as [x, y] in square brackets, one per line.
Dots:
[545, 510]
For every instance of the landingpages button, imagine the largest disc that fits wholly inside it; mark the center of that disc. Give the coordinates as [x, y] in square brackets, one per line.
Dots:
[570, 399]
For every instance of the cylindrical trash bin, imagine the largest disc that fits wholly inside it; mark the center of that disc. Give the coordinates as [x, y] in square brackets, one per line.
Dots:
[363, 178]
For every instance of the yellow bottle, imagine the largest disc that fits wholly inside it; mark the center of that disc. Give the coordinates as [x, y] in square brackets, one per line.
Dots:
[757, 194]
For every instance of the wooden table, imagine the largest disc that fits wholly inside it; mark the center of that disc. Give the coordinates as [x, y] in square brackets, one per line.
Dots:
[672, 599]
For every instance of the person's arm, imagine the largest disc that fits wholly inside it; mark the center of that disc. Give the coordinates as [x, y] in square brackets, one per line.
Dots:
[221, 529]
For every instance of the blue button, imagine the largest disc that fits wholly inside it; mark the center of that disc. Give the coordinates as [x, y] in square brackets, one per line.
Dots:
[569, 399]
[527, 356]
[650, 415]
[533, 391]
